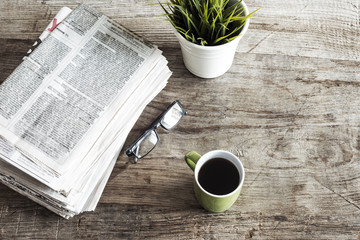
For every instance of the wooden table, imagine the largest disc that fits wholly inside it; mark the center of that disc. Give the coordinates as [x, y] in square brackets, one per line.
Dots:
[289, 107]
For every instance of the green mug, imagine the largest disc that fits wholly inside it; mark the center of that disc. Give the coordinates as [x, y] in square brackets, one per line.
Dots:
[218, 178]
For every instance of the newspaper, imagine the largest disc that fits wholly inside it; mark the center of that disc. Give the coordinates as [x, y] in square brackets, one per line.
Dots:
[66, 110]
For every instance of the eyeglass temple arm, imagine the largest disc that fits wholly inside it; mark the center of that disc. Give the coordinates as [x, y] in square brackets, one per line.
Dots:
[136, 153]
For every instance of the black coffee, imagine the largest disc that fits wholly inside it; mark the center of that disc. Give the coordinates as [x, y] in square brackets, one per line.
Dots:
[219, 176]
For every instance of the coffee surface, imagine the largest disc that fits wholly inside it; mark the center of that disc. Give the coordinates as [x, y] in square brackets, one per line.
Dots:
[219, 176]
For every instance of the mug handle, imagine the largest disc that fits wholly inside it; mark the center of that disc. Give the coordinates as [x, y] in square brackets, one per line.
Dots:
[191, 159]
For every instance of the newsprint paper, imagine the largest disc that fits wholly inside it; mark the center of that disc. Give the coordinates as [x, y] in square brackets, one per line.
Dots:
[66, 110]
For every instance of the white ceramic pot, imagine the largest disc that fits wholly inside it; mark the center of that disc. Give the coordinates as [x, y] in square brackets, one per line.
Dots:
[210, 61]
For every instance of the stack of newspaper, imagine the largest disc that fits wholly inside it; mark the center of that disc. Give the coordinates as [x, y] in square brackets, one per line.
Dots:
[67, 109]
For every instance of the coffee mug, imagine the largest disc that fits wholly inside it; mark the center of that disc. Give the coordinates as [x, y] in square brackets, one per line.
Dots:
[219, 176]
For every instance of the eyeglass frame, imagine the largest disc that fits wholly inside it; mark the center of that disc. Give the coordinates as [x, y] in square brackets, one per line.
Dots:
[153, 126]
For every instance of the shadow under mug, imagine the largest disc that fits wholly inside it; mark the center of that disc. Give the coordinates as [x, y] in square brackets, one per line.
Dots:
[209, 201]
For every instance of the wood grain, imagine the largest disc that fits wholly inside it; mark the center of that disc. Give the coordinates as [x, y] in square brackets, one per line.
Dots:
[288, 107]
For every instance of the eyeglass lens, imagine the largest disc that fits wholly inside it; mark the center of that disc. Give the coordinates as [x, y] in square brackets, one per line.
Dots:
[146, 144]
[172, 117]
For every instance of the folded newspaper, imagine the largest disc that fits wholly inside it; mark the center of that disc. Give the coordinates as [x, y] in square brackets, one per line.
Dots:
[66, 110]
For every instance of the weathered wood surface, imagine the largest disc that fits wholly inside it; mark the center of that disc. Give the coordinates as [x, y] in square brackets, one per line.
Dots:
[289, 107]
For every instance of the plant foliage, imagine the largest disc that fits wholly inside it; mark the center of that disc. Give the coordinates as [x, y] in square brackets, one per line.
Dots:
[206, 22]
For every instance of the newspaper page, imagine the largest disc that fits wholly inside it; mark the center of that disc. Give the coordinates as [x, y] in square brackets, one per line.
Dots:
[61, 97]
[7, 150]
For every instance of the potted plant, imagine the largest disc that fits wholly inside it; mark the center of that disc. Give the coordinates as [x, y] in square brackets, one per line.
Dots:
[208, 32]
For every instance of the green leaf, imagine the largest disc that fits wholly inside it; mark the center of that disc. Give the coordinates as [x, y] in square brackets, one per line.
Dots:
[205, 22]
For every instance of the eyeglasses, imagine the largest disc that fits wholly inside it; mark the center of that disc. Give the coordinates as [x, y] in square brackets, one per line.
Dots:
[148, 140]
